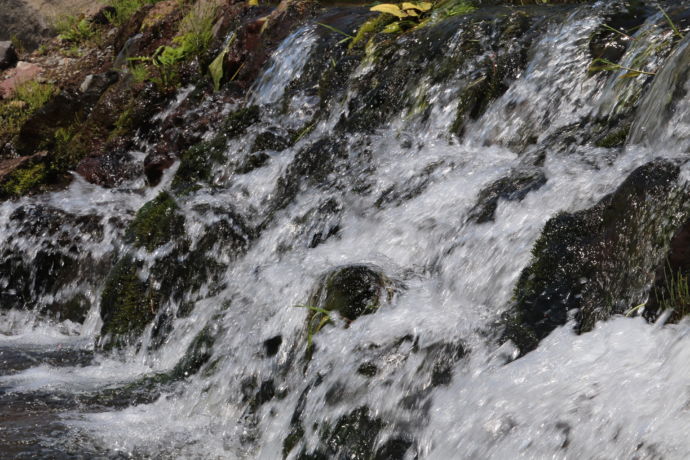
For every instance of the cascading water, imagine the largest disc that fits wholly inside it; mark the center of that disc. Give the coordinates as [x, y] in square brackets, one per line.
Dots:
[404, 195]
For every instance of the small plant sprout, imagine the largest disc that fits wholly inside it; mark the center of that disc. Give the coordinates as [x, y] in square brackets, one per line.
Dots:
[347, 36]
[319, 317]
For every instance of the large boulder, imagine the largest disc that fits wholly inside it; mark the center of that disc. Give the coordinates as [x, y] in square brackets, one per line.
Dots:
[599, 261]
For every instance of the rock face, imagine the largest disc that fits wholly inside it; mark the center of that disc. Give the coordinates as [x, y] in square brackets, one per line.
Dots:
[599, 261]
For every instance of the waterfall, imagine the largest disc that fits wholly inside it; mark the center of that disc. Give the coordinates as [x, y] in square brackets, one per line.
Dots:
[388, 172]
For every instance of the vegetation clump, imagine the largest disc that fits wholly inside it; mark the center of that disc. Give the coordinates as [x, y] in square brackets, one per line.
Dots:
[23, 180]
[193, 40]
[74, 29]
[14, 112]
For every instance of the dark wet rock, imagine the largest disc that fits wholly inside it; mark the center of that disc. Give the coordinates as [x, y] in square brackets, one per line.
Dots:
[311, 166]
[319, 223]
[269, 140]
[73, 309]
[253, 161]
[156, 223]
[257, 39]
[599, 261]
[198, 353]
[354, 435]
[8, 55]
[411, 188]
[510, 188]
[352, 291]
[515, 34]
[14, 360]
[196, 164]
[394, 448]
[54, 263]
[272, 345]
[155, 165]
[238, 121]
[108, 170]
[624, 17]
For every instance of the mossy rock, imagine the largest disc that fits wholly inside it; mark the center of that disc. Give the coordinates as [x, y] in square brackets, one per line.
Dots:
[352, 291]
[237, 122]
[599, 261]
[196, 164]
[198, 353]
[353, 436]
[128, 304]
[156, 223]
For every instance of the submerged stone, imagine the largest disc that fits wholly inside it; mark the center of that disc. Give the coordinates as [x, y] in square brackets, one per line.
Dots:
[510, 188]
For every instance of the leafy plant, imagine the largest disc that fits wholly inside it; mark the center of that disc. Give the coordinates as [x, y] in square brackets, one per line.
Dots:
[195, 37]
[408, 15]
[73, 29]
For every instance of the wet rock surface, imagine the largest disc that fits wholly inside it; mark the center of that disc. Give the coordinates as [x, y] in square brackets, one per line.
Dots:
[619, 242]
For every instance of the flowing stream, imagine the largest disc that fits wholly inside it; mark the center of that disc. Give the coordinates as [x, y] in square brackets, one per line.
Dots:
[400, 196]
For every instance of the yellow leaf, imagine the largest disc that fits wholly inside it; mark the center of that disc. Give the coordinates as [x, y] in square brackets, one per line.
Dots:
[390, 9]
[412, 13]
[252, 2]
[419, 6]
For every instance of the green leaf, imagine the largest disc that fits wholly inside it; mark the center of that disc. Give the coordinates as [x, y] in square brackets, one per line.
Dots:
[216, 69]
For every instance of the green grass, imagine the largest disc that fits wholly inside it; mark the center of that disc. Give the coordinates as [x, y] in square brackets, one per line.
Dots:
[125, 9]
[23, 180]
[675, 295]
[14, 112]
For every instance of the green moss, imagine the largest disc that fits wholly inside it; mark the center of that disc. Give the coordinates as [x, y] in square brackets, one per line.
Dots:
[614, 139]
[196, 164]
[238, 122]
[24, 180]
[156, 223]
[127, 303]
